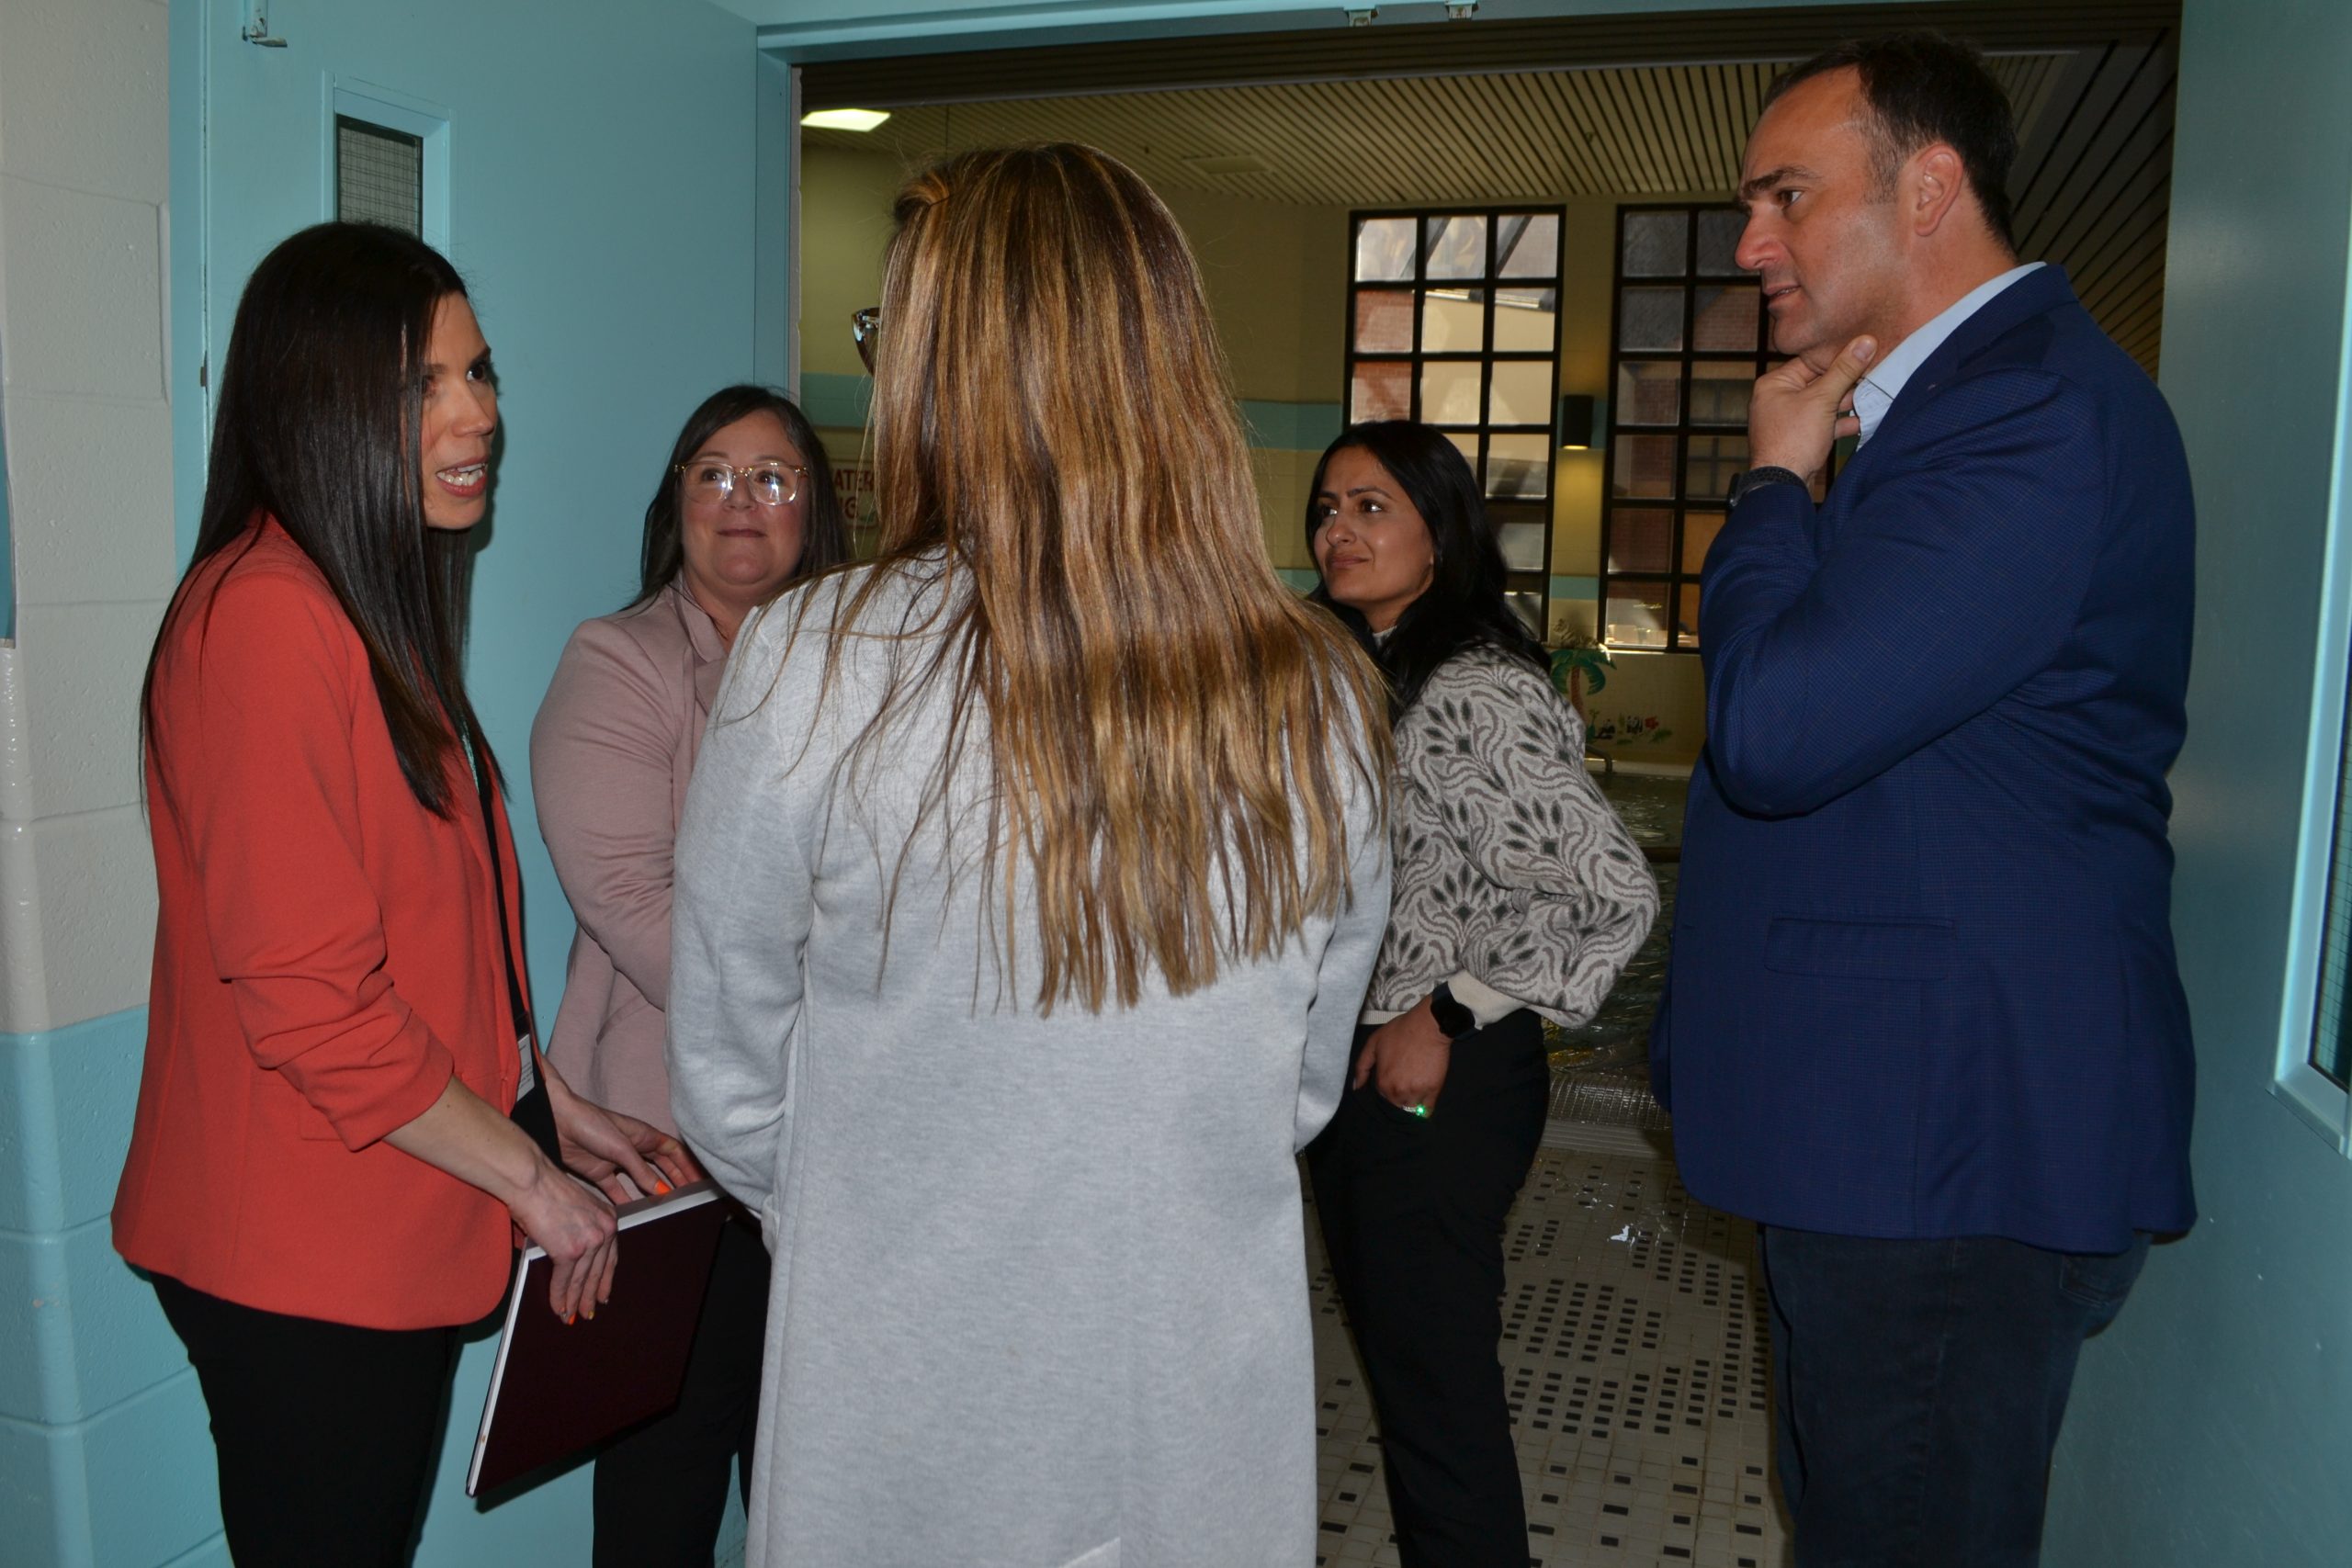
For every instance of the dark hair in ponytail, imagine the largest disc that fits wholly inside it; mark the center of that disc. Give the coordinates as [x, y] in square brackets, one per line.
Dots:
[319, 426]
[1463, 605]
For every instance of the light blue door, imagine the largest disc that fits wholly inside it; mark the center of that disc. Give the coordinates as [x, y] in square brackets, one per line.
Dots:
[591, 168]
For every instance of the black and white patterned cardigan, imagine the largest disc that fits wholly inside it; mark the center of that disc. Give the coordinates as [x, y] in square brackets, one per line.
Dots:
[1515, 883]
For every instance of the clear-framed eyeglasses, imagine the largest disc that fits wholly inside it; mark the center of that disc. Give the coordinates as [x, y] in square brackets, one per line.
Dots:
[863, 325]
[765, 484]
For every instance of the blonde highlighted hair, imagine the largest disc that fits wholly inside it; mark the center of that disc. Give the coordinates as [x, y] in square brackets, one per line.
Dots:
[1170, 729]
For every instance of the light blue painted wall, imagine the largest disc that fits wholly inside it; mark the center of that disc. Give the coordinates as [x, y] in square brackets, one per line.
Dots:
[104, 1454]
[774, 213]
[1291, 427]
[610, 215]
[7, 558]
[835, 402]
[2212, 1425]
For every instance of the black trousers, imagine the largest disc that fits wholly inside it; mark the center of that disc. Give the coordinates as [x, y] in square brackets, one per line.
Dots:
[325, 1433]
[661, 1490]
[1918, 1387]
[1412, 1214]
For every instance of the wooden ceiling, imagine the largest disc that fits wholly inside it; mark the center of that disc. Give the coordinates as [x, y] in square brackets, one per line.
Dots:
[1632, 107]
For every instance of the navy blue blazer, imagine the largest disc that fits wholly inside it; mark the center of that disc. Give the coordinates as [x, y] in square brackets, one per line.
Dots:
[1922, 980]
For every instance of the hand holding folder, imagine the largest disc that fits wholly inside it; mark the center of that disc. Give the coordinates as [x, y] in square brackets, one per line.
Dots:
[558, 1387]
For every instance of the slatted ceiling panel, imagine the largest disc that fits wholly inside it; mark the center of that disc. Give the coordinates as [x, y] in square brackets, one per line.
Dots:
[2129, 266]
[1642, 130]
[2029, 79]
[2124, 111]
[2112, 207]
[2136, 320]
[2092, 183]
[1484, 45]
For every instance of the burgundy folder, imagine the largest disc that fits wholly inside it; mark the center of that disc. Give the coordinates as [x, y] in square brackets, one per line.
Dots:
[556, 1388]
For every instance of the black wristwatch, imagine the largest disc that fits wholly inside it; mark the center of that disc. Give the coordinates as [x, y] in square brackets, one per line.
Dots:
[1757, 478]
[1454, 1019]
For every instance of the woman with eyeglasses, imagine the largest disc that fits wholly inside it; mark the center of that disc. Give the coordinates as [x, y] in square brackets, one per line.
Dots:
[1519, 896]
[744, 505]
[1027, 888]
[343, 1118]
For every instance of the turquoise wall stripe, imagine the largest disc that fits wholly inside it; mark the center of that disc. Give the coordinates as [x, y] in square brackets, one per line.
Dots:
[135, 1485]
[86, 1332]
[66, 1120]
[1291, 427]
[834, 401]
[94, 1385]
[1302, 578]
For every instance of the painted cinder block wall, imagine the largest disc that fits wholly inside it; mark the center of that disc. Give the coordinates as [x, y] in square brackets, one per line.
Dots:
[104, 1455]
[97, 1409]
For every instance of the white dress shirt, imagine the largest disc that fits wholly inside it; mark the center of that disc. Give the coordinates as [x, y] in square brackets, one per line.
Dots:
[1876, 392]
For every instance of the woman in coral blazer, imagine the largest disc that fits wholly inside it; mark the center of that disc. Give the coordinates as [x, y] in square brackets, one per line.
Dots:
[323, 1177]
[745, 505]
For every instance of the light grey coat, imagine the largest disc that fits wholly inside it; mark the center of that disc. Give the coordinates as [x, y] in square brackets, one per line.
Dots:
[1040, 1295]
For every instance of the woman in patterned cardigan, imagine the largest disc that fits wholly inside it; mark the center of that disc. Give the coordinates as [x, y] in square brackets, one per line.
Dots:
[1518, 895]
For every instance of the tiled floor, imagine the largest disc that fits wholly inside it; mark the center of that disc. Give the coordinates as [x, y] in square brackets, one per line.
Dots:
[1634, 1350]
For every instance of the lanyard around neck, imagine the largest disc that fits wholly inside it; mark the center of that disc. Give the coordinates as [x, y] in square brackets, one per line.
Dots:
[515, 1000]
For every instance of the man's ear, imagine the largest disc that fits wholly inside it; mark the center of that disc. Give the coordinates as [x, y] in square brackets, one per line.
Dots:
[1936, 180]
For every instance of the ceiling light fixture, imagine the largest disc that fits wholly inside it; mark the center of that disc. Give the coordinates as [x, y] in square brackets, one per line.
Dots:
[844, 119]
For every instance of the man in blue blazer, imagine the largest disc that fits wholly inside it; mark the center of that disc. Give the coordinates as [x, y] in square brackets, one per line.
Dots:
[1923, 1021]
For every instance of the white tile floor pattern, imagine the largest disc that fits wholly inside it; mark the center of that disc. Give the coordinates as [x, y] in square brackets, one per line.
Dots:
[1634, 1354]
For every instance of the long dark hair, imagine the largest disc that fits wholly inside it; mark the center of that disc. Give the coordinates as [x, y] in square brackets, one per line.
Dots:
[1463, 605]
[824, 535]
[319, 426]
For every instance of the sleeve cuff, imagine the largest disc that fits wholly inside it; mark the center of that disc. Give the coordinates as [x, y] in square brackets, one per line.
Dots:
[396, 1105]
[1486, 1004]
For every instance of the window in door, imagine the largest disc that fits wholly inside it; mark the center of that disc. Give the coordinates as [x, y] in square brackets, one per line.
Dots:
[378, 175]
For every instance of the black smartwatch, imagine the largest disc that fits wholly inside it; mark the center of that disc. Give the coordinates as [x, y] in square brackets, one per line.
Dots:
[1454, 1019]
[1757, 478]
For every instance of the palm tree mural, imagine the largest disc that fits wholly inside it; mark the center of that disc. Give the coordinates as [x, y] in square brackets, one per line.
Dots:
[1580, 667]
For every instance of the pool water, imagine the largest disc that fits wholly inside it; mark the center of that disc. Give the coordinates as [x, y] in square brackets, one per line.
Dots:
[1617, 1037]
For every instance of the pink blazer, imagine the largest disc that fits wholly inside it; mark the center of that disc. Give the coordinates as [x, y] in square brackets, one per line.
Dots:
[611, 752]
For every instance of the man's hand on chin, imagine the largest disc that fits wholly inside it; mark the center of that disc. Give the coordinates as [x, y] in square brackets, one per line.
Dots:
[1799, 413]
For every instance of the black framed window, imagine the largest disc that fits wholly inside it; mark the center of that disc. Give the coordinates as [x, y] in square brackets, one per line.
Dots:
[1453, 319]
[1688, 337]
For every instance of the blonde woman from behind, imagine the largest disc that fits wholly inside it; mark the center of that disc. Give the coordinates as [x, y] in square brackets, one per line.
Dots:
[1026, 892]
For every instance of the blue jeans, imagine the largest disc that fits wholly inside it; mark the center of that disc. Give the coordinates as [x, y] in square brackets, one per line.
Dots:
[1918, 1388]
